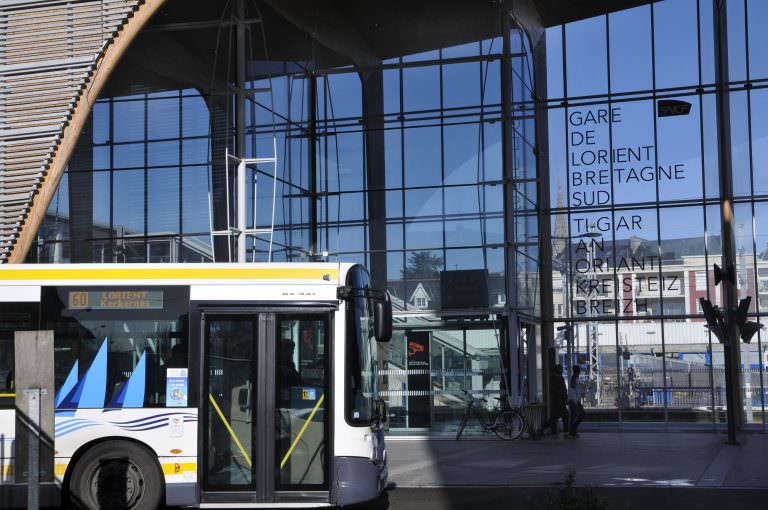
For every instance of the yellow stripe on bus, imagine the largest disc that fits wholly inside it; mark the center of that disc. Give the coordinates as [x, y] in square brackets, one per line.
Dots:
[229, 428]
[7, 395]
[202, 273]
[177, 468]
[173, 468]
[301, 432]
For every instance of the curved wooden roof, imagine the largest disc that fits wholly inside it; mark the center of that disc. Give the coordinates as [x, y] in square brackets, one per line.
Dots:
[55, 57]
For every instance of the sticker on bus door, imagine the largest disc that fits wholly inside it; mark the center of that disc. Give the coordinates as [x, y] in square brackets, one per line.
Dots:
[176, 387]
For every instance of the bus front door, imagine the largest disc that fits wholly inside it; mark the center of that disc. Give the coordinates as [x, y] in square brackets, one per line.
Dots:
[265, 392]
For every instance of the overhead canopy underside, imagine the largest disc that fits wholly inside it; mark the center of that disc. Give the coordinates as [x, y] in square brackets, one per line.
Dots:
[190, 44]
[323, 34]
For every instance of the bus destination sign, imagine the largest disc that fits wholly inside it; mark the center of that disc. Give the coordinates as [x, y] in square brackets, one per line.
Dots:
[115, 299]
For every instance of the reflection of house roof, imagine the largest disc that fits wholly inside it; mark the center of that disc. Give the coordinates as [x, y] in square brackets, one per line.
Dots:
[423, 290]
[405, 289]
[451, 339]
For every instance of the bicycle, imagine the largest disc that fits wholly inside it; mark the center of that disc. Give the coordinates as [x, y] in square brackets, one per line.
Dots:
[508, 424]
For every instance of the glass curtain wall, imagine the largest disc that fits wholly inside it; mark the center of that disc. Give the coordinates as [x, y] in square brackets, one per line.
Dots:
[445, 213]
[137, 185]
[635, 215]
[148, 183]
[148, 179]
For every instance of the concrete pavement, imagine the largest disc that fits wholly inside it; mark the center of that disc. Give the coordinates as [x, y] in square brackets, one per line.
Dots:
[602, 459]
[661, 470]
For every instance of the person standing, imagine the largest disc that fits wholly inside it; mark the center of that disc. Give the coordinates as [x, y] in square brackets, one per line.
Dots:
[575, 407]
[558, 398]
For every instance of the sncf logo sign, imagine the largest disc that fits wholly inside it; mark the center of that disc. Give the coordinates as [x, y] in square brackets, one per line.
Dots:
[673, 107]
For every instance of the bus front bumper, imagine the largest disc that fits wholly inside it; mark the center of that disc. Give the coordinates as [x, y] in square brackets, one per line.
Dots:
[357, 479]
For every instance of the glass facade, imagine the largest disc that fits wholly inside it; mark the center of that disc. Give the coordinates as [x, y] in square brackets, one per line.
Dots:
[517, 214]
[421, 167]
[635, 205]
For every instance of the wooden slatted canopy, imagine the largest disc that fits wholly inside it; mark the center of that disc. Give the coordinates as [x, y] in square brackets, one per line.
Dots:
[55, 57]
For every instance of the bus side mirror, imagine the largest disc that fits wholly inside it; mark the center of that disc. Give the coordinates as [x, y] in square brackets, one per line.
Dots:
[382, 317]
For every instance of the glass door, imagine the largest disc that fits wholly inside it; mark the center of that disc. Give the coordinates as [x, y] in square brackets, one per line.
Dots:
[265, 430]
[231, 368]
[301, 403]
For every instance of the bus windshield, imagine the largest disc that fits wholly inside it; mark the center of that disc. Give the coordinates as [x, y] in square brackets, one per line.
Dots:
[361, 350]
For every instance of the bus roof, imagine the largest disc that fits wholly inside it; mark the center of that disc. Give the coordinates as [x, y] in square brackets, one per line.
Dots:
[173, 274]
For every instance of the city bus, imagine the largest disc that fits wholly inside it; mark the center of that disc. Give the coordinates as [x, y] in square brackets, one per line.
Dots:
[208, 385]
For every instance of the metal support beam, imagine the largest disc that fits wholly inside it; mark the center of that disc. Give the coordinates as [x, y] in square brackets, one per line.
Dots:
[731, 353]
[373, 112]
[510, 258]
[220, 108]
[196, 25]
[312, 156]
[545, 242]
[240, 131]
[527, 16]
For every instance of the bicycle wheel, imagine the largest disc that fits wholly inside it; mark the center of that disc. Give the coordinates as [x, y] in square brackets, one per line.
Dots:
[462, 424]
[509, 425]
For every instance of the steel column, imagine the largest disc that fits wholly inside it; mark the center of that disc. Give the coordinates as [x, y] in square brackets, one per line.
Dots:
[730, 292]
[510, 258]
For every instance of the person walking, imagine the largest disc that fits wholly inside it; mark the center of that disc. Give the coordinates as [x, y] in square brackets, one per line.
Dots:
[558, 398]
[575, 407]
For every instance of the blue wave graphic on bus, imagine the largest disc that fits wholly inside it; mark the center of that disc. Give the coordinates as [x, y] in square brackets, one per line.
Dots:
[90, 391]
[66, 427]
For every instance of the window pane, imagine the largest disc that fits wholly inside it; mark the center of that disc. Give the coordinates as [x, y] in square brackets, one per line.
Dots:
[586, 57]
[631, 68]
[676, 43]
[422, 156]
[301, 360]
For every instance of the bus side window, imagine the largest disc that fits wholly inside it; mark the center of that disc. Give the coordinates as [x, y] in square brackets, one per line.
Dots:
[13, 317]
[178, 357]
[6, 366]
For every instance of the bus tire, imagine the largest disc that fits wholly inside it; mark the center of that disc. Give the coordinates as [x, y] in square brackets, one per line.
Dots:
[116, 475]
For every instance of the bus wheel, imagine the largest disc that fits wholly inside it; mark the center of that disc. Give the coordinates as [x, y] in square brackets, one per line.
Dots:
[116, 475]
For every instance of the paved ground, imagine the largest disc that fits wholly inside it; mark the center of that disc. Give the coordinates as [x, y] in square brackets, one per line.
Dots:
[632, 470]
[603, 459]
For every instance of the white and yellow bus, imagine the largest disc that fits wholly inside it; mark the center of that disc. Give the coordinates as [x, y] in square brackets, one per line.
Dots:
[202, 385]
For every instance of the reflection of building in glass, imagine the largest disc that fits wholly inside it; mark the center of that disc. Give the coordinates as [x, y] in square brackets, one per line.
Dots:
[573, 157]
[120, 245]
